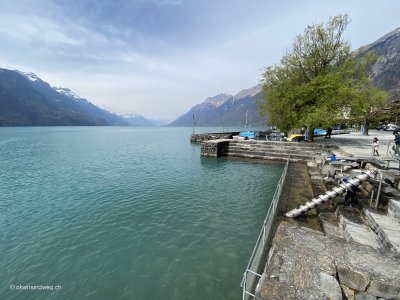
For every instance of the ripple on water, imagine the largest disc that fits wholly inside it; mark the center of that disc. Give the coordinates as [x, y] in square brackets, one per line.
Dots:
[119, 214]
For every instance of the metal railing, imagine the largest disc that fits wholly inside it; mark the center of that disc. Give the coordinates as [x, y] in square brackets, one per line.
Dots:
[251, 276]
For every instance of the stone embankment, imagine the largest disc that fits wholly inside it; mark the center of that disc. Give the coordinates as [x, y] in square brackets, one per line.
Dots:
[202, 137]
[335, 251]
[264, 150]
[306, 264]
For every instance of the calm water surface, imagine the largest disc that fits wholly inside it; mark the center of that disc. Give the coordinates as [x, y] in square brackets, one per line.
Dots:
[125, 213]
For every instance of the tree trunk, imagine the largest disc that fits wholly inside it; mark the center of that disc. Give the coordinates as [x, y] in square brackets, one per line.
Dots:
[311, 134]
[366, 124]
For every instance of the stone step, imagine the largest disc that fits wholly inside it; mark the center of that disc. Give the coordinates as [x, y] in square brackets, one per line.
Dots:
[287, 144]
[275, 146]
[271, 153]
[394, 209]
[301, 259]
[330, 225]
[281, 158]
[386, 227]
[271, 149]
[267, 156]
[354, 228]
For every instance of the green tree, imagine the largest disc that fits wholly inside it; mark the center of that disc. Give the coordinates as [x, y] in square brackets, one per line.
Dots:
[319, 81]
[366, 100]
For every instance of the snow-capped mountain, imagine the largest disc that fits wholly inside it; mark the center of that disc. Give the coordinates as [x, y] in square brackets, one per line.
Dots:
[138, 120]
[30, 76]
[217, 100]
[25, 99]
[67, 92]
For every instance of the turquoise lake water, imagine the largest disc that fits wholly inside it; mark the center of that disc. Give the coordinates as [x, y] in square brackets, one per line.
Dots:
[125, 213]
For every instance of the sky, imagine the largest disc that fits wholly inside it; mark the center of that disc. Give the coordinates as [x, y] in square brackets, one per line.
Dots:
[159, 58]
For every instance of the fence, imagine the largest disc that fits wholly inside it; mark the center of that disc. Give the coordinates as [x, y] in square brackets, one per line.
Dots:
[251, 276]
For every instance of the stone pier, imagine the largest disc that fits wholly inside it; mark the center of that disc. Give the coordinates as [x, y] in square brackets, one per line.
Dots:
[214, 148]
[263, 150]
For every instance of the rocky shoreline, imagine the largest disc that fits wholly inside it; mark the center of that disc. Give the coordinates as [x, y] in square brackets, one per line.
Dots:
[334, 251]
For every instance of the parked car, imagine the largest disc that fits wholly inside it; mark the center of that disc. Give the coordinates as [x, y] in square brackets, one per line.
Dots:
[381, 127]
[392, 127]
[339, 126]
[298, 135]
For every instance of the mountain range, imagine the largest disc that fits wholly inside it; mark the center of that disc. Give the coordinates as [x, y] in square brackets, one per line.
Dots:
[385, 73]
[225, 110]
[138, 120]
[228, 110]
[27, 100]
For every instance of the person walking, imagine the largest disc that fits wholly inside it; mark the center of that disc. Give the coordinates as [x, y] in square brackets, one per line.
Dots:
[375, 146]
[350, 197]
[328, 133]
[396, 147]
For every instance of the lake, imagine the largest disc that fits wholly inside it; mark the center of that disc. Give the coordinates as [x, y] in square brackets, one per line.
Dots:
[125, 213]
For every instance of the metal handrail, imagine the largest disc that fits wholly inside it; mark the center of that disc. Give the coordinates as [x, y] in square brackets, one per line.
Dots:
[264, 233]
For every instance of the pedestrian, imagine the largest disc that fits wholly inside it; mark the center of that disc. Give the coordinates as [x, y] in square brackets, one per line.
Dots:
[396, 147]
[350, 198]
[375, 146]
[328, 133]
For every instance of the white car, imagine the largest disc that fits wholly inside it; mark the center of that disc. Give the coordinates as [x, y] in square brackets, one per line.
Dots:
[391, 127]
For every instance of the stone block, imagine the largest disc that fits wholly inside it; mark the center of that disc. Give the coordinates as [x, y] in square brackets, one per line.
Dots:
[327, 265]
[330, 286]
[391, 192]
[328, 170]
[367, 186]
[311, 164]
[348, 292]
[274, 289]
[302, 274]
[394, 209]
[384, 289]
[391, 176]
[365, 296]
[352, 278]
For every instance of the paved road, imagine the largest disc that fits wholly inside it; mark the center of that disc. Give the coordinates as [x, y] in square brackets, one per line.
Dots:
[360, 145]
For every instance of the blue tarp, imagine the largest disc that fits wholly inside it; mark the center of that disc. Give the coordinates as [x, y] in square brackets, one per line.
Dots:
[318, 131]
[249, 134]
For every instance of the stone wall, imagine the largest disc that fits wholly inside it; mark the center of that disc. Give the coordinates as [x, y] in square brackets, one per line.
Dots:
[215, 148]
[201, 137]
[263, 150]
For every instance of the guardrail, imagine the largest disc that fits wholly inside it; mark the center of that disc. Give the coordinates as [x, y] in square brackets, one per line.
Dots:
[251, 276]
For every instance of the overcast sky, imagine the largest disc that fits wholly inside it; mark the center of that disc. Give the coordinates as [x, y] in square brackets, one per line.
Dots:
[158, 58]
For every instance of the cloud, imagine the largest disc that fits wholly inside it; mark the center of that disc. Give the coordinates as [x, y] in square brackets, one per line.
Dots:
[37, 29]
[160, 57]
